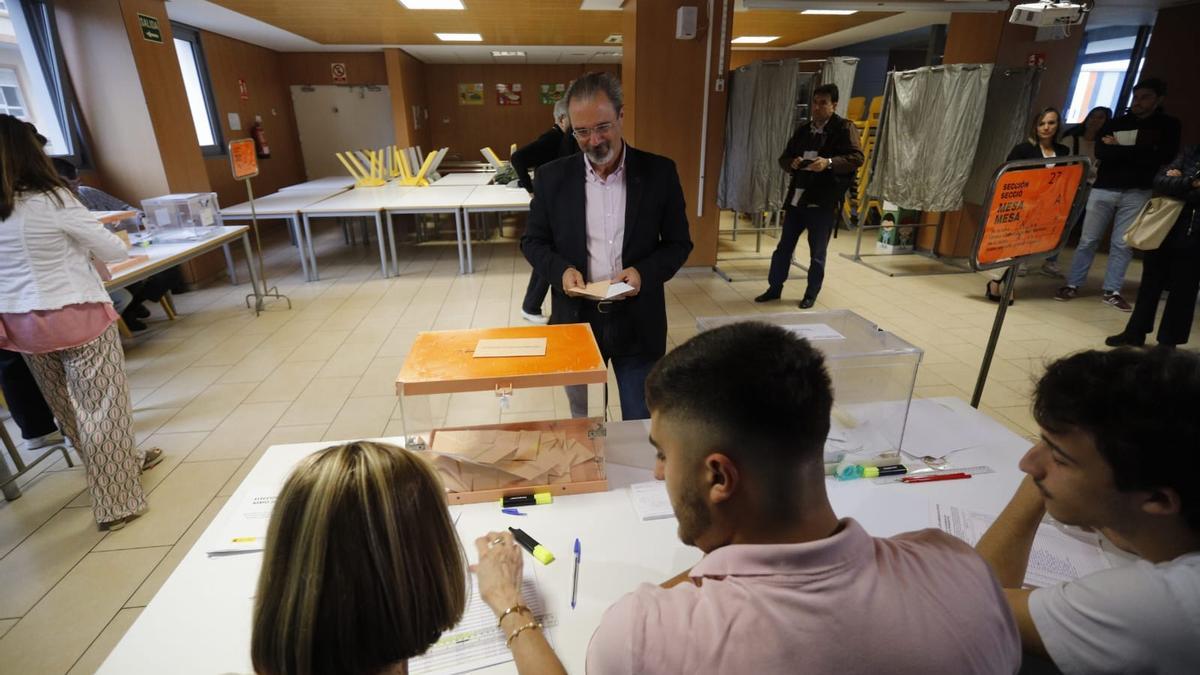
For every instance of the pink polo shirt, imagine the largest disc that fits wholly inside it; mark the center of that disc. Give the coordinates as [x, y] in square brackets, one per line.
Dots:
[921, 602]
[605, 213]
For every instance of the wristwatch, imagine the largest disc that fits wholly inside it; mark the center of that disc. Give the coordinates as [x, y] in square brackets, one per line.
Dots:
[828, 163]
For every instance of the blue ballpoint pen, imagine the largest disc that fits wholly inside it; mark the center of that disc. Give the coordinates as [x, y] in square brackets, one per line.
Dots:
[575, 584]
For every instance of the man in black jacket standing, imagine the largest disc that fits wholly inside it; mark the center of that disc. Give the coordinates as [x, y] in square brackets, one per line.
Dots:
[555, 143]
[1131, 149]
[821, 158]
[616, 213]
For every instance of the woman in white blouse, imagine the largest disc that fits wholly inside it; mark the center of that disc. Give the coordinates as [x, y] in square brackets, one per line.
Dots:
[55, 312]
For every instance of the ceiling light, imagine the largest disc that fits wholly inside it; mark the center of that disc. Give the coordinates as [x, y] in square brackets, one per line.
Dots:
[459, 37]
[508, 53]
[831, 12]
[754, 39]
[432, 4]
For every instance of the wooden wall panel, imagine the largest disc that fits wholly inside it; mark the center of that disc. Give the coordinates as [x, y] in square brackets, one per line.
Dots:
[231, 60]
[314, 67]
[1173, 55]
[973, 37]
[467, 128]
[410, 98]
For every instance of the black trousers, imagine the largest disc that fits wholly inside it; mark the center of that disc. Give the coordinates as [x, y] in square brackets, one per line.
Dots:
[818, 221]
[25, 401]
[535, 294]
[1175, 268]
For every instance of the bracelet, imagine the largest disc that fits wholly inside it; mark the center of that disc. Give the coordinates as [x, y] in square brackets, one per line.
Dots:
[531, 624]
[515, 608]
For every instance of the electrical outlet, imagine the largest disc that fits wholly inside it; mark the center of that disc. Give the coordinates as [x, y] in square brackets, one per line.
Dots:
[720, 84]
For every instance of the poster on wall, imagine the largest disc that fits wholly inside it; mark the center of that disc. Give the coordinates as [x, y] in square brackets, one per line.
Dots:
[338, 71]
[551, 93]
[508, 94]
[470, 93]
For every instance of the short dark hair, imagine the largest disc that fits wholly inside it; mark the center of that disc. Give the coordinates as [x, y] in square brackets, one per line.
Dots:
[65, 168]
[1153, 83]
[592, 83]
[759, 390]
[1140, 407]
[829, 90]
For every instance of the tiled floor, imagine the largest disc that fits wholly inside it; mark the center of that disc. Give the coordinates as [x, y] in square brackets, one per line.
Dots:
[218, 386]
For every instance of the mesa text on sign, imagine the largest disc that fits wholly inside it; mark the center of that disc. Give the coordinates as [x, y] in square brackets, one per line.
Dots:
[1029, 211]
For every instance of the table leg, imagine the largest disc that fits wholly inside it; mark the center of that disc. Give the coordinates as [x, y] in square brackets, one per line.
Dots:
[229, 265]
[312, 258]
[253, 273]
[458, 235]
[467, 237]
[298, 241]
[391, 235]
[383, 259]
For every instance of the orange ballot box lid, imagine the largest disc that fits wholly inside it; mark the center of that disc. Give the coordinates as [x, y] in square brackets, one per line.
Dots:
[446, 362]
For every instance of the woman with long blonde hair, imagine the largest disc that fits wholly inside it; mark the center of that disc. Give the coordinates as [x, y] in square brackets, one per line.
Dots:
[362, 568]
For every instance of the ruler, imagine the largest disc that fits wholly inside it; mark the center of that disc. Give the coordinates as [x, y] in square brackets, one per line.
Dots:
[972, 470]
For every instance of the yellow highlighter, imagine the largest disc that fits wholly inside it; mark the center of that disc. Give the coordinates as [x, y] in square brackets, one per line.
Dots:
[536, 499]
[535, 549]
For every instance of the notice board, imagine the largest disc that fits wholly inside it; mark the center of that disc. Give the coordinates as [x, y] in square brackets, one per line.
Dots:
[1029, 209]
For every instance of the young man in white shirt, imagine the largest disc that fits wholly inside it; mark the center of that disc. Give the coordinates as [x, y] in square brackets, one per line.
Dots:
[1119, 453]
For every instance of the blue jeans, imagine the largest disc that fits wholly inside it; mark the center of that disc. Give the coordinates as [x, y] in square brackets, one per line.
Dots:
[631, 372]
[818, 221]
[1103, 206]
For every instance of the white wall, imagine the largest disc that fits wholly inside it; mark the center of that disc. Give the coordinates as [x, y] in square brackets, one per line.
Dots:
[333, 119]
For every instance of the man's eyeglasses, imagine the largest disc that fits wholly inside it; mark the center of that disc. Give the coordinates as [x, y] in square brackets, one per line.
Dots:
[599, 129]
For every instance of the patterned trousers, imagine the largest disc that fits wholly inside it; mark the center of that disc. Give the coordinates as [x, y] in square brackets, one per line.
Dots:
[87, 389]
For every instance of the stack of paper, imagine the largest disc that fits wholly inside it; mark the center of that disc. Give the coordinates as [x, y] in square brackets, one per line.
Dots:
[469, 460]
[601, 290]
[246, 530]
[651, 501]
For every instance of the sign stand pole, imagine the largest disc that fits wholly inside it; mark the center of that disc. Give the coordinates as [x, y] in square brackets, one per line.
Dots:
[267, 292]
[1005, 298]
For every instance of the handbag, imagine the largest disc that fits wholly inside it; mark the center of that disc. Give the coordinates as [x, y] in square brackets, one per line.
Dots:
[1153, 222]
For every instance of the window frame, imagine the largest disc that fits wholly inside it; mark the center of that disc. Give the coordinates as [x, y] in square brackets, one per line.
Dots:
[191, 35]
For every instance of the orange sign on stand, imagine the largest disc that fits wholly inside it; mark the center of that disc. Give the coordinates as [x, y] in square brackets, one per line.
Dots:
[243, 158]
[1028, 213]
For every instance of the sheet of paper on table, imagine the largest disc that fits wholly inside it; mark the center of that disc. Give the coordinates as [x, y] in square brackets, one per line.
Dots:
[246, 531]
[815, 331]
[601, 290]
[501, 347]
[476, 642]
[469, 460]
[651, 501]
[122, 265]
[1056, 557]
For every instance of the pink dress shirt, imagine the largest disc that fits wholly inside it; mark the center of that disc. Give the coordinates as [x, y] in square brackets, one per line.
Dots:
[605, 199]
[921, 602]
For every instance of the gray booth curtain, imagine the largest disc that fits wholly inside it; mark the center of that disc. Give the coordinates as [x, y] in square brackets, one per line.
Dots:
[762, 101]
[928, 135]
[840, 70]
[1005, 123]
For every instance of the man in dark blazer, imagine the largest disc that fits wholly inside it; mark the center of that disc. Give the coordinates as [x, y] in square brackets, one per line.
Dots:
[615, 213]
[555, 143]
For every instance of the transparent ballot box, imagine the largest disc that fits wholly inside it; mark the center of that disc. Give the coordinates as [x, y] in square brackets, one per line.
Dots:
[182, 217]
[873, 374]
[489, 409]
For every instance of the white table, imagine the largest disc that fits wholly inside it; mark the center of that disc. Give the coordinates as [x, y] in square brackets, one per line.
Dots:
[284, 205]
[448, 199]
[327, 183]
[167, 255]
[361, 202]
[491, 199]
[473, 179]
[200, 621]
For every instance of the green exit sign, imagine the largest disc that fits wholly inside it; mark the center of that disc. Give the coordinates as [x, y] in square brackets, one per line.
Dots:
[150, 29]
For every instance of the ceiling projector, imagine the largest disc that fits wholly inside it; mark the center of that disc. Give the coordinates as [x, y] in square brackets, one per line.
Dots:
[1045, 14]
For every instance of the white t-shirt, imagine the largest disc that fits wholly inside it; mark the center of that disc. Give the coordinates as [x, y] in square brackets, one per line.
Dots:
[1141, 618]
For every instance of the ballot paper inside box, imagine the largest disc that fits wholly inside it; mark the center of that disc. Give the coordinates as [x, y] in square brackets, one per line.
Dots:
[485, 463]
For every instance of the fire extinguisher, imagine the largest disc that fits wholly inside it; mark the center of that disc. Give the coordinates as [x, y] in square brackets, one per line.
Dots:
[260, 140]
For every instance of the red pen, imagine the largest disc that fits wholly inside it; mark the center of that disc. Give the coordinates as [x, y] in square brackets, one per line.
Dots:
[935, 477]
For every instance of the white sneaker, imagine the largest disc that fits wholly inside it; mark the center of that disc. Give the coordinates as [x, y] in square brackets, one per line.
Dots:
[51, 439]
[535, 318]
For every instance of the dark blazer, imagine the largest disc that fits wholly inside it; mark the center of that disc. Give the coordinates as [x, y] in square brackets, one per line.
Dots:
[547, 148]
[656, 244]
[1133, 167]
[1027, 150]
[839, 143]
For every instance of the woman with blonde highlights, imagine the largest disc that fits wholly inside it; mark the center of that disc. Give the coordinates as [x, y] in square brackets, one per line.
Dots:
[362, 569]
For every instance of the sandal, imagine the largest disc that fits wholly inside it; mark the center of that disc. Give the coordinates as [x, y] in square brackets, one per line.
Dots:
[154, 457]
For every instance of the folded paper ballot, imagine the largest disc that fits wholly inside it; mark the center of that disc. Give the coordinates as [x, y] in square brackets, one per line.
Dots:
[469, 460]
[601, 290]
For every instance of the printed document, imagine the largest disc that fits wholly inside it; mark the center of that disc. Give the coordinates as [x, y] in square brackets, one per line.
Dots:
[246, 531]
[650, 500]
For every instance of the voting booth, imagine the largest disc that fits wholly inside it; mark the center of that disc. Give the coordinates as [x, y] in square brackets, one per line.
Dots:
[873, 374]
[526, 442]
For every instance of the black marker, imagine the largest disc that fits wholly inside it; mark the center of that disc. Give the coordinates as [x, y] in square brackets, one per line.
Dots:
[535, 549]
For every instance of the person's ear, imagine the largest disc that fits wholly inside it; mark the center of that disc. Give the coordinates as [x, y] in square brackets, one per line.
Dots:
[723, 476]
[1162, 502]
